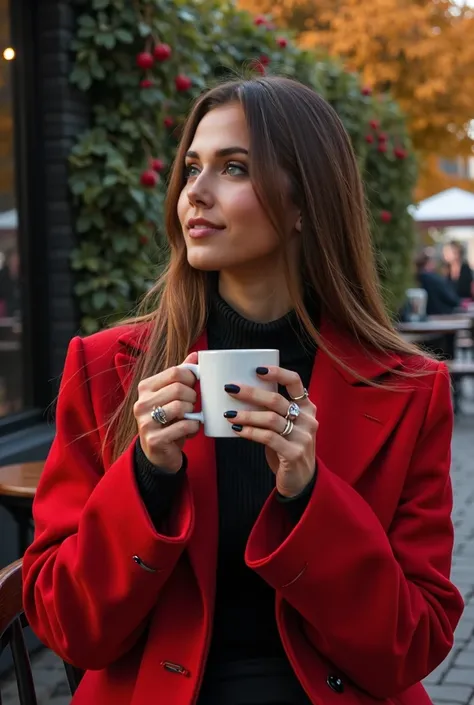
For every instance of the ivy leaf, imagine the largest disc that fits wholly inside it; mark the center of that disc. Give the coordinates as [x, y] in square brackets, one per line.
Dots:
[123, 35]
[82, 78]
[87, 21]
[144, 29]
[83, 224]
[110, 180]
[139, 197]
[99, 298]
[106, 39]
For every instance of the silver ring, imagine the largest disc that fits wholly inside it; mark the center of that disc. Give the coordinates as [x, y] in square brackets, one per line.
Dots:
[288, 428]
[300, 398]
[159, 415]
[293, 412]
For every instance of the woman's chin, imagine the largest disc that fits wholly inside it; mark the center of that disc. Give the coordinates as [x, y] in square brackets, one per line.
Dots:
[204, 261]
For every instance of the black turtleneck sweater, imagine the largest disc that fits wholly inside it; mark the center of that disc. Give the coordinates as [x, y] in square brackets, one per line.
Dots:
[245, 640]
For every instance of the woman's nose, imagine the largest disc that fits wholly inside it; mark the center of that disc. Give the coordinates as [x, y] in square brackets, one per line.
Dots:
[199, 193]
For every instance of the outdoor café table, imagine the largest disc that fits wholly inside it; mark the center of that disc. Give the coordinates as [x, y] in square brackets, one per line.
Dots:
[18, 485]
[435, 326]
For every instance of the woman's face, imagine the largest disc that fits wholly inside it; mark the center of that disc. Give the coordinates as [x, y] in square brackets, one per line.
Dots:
[224, 224]
[450, 254]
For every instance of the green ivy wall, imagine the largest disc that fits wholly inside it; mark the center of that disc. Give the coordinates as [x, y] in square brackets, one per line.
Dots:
[142, 63]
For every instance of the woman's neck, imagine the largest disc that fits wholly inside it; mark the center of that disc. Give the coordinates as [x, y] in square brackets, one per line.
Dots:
[262, 299]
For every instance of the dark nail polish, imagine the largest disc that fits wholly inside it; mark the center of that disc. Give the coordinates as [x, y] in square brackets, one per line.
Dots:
[232, 388]
[236, 427]
[230, 414]
[262, 370]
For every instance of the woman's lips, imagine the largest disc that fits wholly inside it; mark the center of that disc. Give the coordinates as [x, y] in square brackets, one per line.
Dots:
[200, 231]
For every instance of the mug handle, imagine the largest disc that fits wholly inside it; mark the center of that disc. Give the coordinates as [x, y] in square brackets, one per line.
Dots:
[195, 415]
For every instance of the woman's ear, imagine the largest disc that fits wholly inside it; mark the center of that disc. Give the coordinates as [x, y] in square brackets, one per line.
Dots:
[298, 224]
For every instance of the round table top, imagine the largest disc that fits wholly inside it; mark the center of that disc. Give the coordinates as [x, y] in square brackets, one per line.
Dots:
[20, 480]
[433, 325]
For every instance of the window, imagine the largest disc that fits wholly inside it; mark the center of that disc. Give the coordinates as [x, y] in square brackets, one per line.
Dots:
[11, 357]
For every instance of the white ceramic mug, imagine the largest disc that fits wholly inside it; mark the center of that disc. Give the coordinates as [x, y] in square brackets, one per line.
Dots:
[214, 370]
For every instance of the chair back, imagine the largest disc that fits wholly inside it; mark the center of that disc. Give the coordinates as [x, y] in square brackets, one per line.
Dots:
[12, 622]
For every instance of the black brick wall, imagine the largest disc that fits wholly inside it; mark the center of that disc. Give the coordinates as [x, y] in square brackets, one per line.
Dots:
[64, 114]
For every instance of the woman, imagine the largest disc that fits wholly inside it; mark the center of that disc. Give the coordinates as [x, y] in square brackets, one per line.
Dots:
[271, 568]
[459, 271]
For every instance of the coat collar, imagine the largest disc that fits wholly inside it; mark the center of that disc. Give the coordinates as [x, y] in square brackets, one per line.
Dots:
[133, 340]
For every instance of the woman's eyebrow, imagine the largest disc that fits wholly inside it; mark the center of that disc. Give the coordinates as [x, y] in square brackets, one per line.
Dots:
[227, 151]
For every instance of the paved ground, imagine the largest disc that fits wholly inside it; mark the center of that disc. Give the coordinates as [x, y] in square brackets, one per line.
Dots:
[452, 683]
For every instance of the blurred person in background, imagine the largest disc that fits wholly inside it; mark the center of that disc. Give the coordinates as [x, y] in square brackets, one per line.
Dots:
[442, 297]
[293, 563]
[459, 271]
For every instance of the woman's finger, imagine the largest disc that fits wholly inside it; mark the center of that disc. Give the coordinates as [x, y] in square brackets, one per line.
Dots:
[291, 447]
[173, 411]
[167, 377]
[259, 397]
[170, 434]
[174, 392]
[286, 378]
[259, 419]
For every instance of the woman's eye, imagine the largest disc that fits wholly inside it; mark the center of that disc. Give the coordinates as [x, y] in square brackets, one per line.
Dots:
[235, 169]
[190, 170]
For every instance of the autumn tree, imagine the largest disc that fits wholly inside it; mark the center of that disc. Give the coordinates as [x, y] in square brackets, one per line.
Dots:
[421, 51]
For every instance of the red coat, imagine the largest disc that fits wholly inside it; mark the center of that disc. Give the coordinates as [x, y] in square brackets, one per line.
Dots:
[362, 582]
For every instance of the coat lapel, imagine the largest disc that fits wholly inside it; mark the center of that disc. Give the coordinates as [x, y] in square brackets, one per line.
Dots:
[355, 420]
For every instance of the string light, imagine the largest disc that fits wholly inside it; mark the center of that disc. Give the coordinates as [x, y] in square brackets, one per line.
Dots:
[9, 54]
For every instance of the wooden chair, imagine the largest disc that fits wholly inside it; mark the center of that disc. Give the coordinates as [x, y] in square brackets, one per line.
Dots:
[18, 485]
[12, 623]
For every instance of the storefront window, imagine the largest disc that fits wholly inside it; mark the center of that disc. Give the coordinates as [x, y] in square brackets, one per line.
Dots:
[11, 386]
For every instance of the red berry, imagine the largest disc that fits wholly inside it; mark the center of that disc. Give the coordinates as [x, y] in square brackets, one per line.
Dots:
[168, 122]
[382, 148]
[149, 178]
[145, 60]
[146, 83]
[143, 240]
[382, 136]
[157, 165]
[264, 59]
[369, 139]
[366, 90]
[162, 52]
[385, 216]
[400, 153]
[374, 124]
[282, 42]
[182, 83]
[258, 67]
[260, 20]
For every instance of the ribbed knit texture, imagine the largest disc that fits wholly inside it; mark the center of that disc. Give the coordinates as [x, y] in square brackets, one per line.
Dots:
[244, 623]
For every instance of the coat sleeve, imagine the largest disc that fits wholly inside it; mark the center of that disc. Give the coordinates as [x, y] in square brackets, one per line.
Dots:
[96, 565]
[379, 605]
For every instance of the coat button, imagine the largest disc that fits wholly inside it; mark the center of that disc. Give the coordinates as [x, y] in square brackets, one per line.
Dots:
[335, 683]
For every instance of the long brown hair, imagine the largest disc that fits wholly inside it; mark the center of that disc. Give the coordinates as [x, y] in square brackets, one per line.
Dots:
[295, 135]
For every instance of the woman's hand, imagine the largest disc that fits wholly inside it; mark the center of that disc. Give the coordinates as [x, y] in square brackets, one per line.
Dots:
[173, 391]
[293, 457]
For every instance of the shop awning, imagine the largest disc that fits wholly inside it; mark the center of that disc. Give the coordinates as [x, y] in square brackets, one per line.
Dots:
[453, 207]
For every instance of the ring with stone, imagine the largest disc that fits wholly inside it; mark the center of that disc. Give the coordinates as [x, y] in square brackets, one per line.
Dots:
[302, 397]
[293, 412]
[288, 428]
[158, 414]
